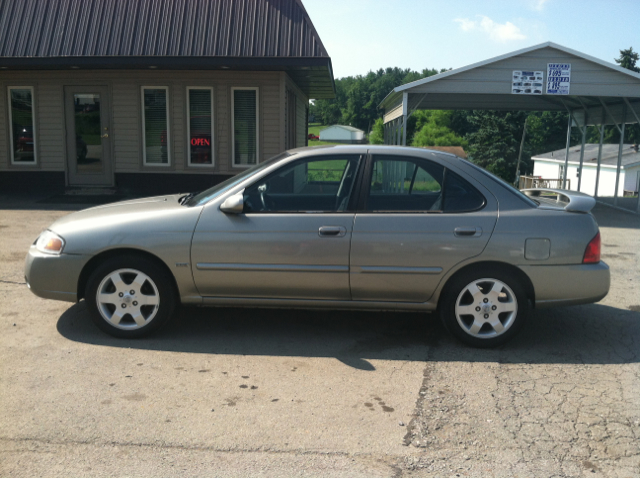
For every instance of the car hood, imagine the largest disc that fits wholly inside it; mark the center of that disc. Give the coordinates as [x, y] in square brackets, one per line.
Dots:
[134, 223]
[119, 210]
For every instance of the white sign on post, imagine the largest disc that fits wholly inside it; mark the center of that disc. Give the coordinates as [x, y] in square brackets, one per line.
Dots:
[558, 78]
[525, 82]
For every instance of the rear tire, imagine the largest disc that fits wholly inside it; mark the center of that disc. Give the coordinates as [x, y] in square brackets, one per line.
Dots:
[484, 308]
[130, 296]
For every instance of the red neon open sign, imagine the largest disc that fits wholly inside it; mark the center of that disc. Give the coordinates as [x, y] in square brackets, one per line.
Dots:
[200, 142]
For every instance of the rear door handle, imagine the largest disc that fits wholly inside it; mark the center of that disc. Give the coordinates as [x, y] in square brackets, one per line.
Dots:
[332, 231]
[467, 231]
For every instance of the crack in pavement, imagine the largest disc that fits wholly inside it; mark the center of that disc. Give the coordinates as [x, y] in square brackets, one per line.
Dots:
[11, 282]
[564, 419]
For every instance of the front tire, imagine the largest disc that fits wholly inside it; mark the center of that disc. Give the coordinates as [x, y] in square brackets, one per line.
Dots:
[130, 296]
[484, 308]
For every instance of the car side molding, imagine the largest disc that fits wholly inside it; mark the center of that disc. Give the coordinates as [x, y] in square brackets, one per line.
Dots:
[575, 201]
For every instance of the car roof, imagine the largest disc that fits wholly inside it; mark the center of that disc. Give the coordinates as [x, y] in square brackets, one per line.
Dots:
[365, 148]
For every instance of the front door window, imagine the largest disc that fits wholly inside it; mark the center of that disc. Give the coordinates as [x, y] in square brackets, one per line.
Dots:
[310, 185]
[88, 143]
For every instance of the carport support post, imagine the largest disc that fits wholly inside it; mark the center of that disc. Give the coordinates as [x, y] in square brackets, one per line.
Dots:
[584, 140]
[566, 154]
[600, 152]
[405, 107]
[620, 148]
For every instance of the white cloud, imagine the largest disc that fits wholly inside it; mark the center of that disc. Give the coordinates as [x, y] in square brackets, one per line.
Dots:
[466, 24]
[538, 4]
[499, 32]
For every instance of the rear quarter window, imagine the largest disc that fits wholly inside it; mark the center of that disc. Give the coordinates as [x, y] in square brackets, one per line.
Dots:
[459, 195]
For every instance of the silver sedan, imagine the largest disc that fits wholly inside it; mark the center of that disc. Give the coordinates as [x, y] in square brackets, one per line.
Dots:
[346, 227]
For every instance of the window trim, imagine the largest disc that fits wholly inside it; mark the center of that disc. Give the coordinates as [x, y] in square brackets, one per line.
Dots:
[144, 142]
[33, 126]
[233, 122]
[188, 129]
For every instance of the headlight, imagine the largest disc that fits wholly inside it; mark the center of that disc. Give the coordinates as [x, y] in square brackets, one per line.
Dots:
[50, 243]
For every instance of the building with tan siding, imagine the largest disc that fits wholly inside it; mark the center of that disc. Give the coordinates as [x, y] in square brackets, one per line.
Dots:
[157, 96]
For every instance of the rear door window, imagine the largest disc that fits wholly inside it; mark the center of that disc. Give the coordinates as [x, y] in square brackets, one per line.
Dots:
[404, 184]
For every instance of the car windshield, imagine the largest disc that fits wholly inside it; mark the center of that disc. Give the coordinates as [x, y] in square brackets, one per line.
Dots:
[205, 196]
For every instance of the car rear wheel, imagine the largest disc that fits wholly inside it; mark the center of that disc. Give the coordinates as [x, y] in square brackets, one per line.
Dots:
[130, 296]
[484, 308]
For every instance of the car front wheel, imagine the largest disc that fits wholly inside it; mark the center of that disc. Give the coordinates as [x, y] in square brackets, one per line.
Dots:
[130, 296]
[484, 308]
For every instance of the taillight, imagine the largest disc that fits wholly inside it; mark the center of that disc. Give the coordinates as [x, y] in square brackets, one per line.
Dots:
[592, 253]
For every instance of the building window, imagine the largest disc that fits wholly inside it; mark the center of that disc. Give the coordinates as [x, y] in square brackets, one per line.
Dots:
[200, 125]
[155, 126]
[22, 125]
[244, 111]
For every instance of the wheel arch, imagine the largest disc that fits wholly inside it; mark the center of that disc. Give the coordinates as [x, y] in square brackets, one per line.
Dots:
[98, 259]
[506, 267]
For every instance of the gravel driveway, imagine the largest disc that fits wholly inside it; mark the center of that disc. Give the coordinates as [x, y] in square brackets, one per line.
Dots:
[235, 392]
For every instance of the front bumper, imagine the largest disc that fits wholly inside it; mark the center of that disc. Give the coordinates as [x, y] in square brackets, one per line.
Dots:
[54, 276]
[564, 285]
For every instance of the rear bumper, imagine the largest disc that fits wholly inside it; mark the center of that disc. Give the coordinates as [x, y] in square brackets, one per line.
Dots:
[53, 276]
[566, 285]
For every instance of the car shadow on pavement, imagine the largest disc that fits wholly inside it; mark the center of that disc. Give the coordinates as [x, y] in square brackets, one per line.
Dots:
[608, 217]
[590, 334]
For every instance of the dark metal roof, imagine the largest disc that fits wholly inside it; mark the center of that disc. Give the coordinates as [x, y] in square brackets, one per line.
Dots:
[278, 34]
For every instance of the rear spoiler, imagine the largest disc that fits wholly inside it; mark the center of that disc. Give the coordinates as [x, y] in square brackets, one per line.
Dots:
[570, 200]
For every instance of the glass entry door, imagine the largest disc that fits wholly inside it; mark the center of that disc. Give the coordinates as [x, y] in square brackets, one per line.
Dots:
[88, 144]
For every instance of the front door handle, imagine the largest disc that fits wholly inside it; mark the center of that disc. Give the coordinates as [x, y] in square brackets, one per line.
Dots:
[337, 231]
[467, 231]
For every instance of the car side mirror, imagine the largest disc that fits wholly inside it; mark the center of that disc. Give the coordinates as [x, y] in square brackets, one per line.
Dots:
[234, 204]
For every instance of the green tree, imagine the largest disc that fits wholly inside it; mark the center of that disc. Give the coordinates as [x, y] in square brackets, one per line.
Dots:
[357, 98]
[495, 143]
[628, 59]
[377, 134]
[432, 128]
[547, 131]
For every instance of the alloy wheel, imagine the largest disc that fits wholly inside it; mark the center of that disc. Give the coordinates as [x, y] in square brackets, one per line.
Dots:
[486, 308]
[128, 299]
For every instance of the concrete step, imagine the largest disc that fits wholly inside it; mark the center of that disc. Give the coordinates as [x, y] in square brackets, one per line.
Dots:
[90, 191]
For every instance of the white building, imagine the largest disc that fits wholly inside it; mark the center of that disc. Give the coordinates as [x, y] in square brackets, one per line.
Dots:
[551, 165]
[343, 134]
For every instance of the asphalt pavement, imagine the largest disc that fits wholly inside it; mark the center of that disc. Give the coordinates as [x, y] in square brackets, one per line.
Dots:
[246, 392]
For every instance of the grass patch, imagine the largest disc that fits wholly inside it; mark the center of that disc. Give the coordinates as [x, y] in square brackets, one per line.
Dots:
[319, 143]
[315, 128]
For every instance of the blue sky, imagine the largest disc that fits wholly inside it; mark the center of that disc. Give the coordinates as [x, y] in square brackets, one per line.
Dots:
[363, 35]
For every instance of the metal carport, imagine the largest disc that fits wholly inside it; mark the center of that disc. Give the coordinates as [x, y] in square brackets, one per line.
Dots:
[600, 94]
